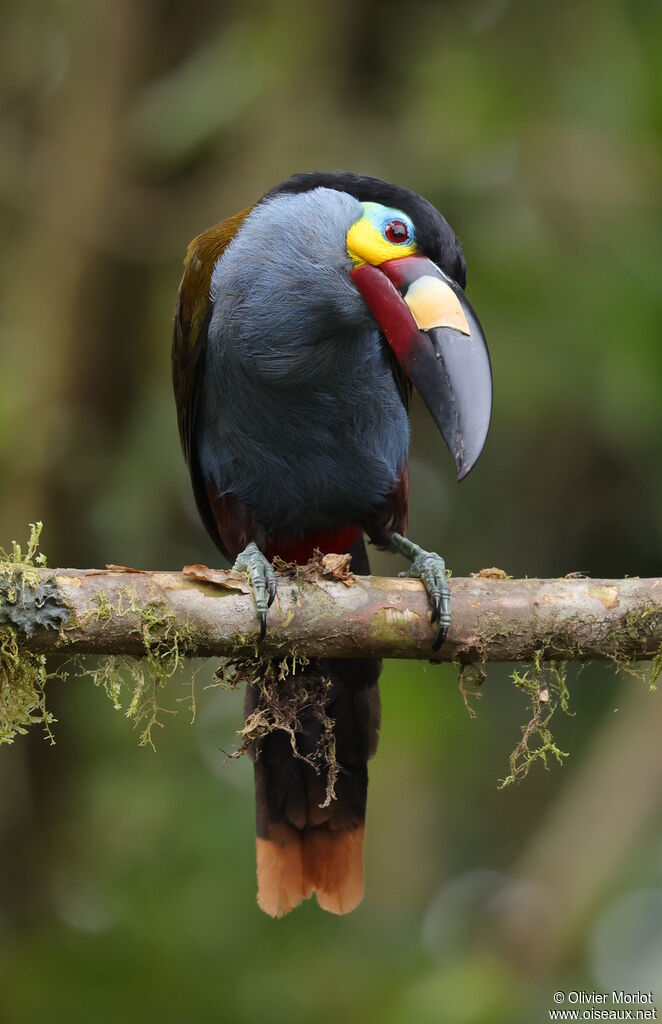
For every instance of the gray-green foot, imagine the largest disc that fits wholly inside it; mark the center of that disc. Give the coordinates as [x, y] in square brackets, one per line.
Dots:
[262, 579]
[430, 568]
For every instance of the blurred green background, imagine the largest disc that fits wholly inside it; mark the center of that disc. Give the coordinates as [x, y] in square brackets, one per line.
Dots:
[127, 886]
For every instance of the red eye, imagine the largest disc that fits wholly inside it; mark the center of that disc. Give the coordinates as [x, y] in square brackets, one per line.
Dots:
[397, 232]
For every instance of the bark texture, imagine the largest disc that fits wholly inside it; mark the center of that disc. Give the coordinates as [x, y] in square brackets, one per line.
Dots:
[326, 611]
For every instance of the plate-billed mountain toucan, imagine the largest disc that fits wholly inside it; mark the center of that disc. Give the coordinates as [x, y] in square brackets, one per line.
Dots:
[301, 325]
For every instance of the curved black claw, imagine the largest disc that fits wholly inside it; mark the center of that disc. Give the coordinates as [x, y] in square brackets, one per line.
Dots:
[441, 637]
[430, 568]
[262, 579]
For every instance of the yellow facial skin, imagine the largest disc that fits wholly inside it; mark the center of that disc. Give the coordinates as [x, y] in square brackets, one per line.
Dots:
[432, 301]
[367, 244]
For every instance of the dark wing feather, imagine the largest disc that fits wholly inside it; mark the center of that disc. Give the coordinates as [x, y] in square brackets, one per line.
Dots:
[192, 315]
[401, 379]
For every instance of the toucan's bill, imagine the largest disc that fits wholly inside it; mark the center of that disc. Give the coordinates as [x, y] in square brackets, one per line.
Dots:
[437, 339]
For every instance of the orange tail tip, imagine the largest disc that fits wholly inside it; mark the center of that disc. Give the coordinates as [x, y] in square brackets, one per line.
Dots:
[334, 867]
[291, 865]
[281, 881]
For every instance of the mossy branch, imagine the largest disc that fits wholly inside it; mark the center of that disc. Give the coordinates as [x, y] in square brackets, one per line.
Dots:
[147, 624]
[317, 614]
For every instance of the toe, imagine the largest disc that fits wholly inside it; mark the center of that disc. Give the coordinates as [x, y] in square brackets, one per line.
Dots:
[436, 584]
[441, 637]
[271, 585]
[262, 580]
[430, 568]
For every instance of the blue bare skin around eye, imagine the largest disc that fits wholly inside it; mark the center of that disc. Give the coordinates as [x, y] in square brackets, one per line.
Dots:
[381, 216]
[301, 418]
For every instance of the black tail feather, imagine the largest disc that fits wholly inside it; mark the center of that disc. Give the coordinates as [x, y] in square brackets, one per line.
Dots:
[306, 843]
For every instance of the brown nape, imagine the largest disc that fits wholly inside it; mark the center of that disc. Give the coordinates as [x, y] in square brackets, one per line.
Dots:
[192, 313]
[294, 864]
[189, 342]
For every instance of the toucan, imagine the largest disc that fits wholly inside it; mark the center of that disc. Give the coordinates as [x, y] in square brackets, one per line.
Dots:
[301, 325]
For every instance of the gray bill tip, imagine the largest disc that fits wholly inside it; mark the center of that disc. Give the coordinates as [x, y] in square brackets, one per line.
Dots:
[465, 462]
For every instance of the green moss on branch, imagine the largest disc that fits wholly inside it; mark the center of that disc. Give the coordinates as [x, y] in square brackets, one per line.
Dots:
[26, 600]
